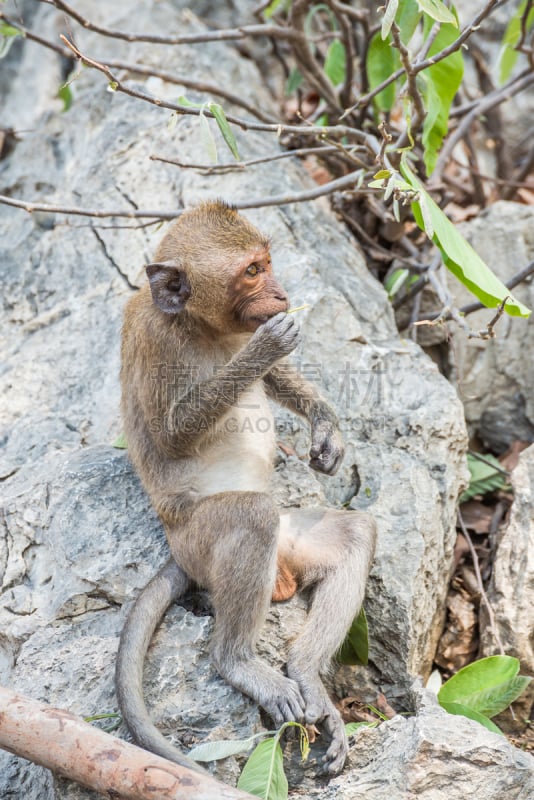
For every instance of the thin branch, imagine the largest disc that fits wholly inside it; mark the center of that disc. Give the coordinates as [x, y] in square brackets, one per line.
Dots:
[246, 125]
[87, 212]
[480, 584]
[263, 29]
[236, 166]
[309, 67]
[484, 104]
[344, 182]
[141, 69]
[412, 90]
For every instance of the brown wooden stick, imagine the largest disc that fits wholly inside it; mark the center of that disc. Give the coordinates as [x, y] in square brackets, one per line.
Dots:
[65, 744]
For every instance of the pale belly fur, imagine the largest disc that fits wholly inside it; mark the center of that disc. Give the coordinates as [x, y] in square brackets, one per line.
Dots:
[240, 458]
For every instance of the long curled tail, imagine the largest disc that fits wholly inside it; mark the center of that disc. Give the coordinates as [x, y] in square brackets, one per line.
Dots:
[170, 583]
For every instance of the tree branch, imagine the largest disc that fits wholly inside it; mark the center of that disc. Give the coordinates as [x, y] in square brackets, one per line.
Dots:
[30, 207]
[263, 29]
[70, 747]
[141, 69]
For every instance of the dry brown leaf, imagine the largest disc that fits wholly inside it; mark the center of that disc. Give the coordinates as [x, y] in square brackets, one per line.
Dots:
[510, 459]
[477, 516]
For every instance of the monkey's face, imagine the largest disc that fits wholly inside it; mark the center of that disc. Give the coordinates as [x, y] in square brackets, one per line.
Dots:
[254, 294]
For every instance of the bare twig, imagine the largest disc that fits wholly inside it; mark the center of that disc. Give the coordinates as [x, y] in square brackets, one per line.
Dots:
[386, 139]
[345, 182]
[236, 166]
[488, 332]
[484, 104]
[263, 29]
[309, 67]
[483, 596]
[411, 87]
[318, 131]
[141, 69]
[30, 207]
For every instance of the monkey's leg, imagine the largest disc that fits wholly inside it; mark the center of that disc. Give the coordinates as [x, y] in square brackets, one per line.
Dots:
[332, 551]
[229, 546]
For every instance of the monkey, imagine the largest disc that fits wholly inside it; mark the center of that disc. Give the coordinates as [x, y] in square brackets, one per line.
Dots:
[203, 351]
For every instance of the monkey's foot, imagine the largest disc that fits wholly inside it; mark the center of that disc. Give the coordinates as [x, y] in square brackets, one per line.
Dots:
[279, 696]
[320, 710]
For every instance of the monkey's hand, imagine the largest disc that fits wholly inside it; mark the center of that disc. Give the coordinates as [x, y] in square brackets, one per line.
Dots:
[327, 450]
[273, 340]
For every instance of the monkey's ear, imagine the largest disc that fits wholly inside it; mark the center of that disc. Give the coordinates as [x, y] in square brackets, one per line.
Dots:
[169, 286]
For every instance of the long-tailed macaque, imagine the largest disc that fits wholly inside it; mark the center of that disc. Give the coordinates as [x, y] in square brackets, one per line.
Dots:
[202, 351]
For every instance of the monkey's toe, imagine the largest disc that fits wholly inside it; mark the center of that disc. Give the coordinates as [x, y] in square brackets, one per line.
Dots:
[288, 706]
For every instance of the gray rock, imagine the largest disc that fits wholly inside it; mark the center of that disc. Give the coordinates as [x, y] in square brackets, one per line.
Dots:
[511, 591]
[79, 538]
[433, 756]
[494, 379]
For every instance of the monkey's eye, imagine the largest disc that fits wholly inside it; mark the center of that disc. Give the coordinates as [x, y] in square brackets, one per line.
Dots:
[253, 269]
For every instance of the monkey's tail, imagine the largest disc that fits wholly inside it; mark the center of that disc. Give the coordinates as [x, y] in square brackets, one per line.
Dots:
[170, 583]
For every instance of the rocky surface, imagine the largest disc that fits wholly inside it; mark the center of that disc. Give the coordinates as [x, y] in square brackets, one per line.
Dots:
[494, 379]
[78, 537]
[511, 592]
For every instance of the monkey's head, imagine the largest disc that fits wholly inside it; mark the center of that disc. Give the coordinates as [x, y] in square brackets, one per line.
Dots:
[215, 266]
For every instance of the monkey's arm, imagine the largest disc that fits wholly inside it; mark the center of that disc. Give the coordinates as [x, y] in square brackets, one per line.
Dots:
[193, 413]
[285, 385]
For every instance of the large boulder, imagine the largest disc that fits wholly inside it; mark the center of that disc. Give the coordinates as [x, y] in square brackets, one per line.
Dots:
[78, 537]
[494, 379]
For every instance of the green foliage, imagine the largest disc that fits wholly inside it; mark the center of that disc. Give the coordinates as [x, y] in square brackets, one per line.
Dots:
[293, 82]
[484, 477]
[437, 11]
[335, 64]
[355, 648]
[382, 61]
[214, 751]
[8, 34]
[120, 442]
[483, 689]
[65, 94]
[458, 255]
[263, 775]
[441, 81]
[512, 35]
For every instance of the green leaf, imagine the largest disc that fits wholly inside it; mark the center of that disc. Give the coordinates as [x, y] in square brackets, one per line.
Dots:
[335, 64]
[355, 648]
[395, 281]
[484, 477]
[183, 101]
[214, 751]
[484, 673]
[65, 94]
[382, 61]
[463, 711]
[440, 82]
[437, 11]
[458, 255]
[263, 774]
[208, 142]
[113, 86]
[120, 442]
[486, 686]
[8, 34]
[271, 8]
[389, 18]
[224, 127]
[508, 54]
[382, 173]
[408, 19]
[352, 727]
[293, 82]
